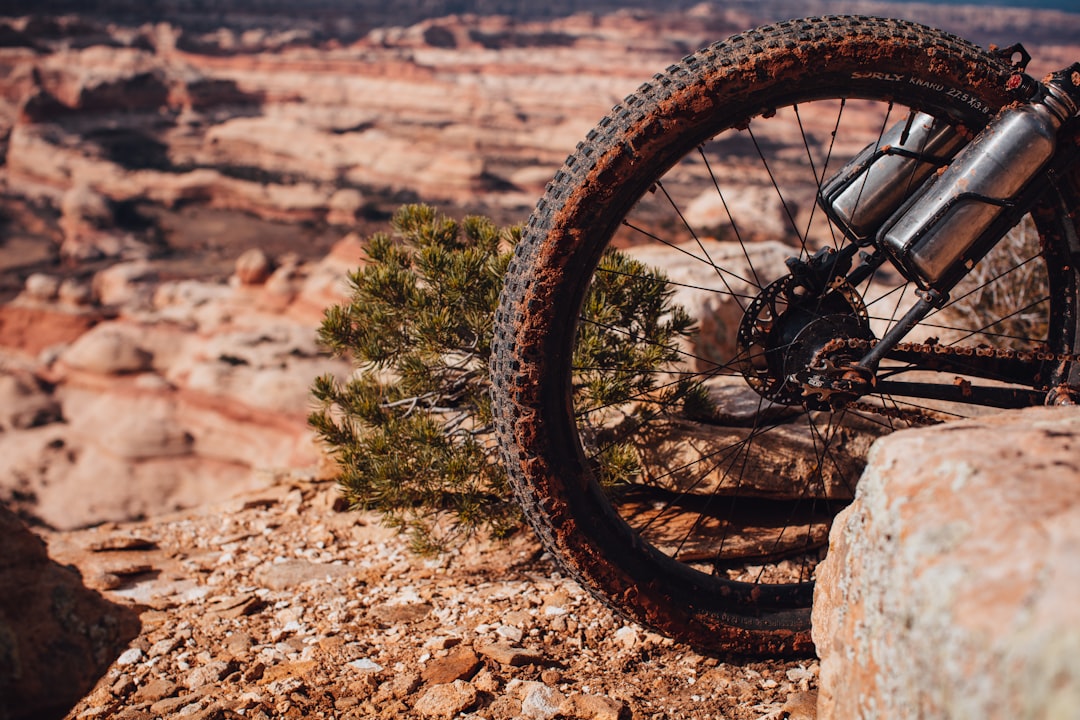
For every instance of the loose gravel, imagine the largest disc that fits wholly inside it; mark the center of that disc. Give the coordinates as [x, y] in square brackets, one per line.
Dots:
[278, 604]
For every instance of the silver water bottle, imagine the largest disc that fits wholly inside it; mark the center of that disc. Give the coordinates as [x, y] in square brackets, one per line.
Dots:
[938, 229]
[876, 182]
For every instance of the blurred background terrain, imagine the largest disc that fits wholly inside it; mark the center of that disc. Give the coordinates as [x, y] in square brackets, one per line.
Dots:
[184, 185]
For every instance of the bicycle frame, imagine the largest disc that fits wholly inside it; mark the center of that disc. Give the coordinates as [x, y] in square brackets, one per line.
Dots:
[936, 234]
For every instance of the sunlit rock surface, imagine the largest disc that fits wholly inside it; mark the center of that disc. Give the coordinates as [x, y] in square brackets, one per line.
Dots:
[949, 590]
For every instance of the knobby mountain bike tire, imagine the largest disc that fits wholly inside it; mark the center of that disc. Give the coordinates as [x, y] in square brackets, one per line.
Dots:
[711, 171]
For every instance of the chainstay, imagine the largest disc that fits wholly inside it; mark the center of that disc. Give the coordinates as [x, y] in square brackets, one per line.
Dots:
[937, 349]
[920, 417]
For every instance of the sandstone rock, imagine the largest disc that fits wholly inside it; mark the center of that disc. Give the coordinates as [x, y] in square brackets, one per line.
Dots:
[253, 267]
[283, 389]
[461, 664]
[129, 427]
[60, 469]
[283, 285]
[344, 206]
[24, 403]
[949, 589]
[82, 202]
[801, 706]
[207, 675]
[180, 300]
[405, 684]
[710, 212]
[507, 654]
[593, 707]
[126, 284]
[155, 690]
[446, 701]
[42, 287]
[35, 329]
[109, 349]
[540, 702]
[84, 215]
[75, 292]
[717, 311]
[56, 637]
[296, 572]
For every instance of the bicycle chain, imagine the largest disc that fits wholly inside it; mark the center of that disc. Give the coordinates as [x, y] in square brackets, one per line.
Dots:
[934, 348]
[924, 417]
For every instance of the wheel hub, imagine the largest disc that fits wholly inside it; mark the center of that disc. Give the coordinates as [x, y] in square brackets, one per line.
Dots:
[787, 343]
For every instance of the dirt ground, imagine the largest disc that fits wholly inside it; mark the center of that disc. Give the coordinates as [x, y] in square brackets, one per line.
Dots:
[280, 605]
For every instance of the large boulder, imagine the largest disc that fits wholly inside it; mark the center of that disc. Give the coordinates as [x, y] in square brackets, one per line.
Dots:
[950, 586]
[56, 636]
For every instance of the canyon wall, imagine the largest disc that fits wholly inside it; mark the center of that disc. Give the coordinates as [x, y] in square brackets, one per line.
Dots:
[145, 148]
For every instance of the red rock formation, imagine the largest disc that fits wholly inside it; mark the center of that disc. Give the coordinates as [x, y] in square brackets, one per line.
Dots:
[114, 135]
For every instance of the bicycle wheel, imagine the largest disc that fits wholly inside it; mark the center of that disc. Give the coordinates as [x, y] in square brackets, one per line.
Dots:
[712, 171]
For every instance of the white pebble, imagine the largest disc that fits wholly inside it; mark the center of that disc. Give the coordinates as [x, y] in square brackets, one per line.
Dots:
[510, 632]
[366, 665]
[130, 657]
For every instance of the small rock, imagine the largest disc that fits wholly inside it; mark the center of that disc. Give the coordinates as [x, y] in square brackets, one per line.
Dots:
[253, 267]
[506, 654]
[254, 673]
[122, 542]
[296, 572]
[238, 606]
[461, 664]
[169, 706]
[627, 637]
[511, 633]
[551, 676]
[123, 686]
[239, 643]
[404, 685]
[129, 570]
[130, 656]
[106, 581]
[214, 712]
[441, 642]
[154, 691]
[366, 665]
[446, 701]
[485, 681]
[285, 686]
[801, 706]
[208, 674]
[344, 703]
[593, 707]
[40, 286]
[541, 702]
[164, 646]
[394, 614]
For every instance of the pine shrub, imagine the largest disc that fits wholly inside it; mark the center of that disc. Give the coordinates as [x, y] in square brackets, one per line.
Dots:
[411, 429]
